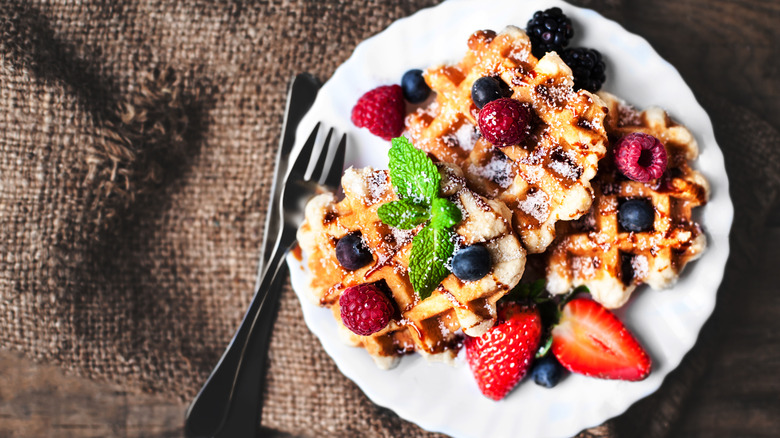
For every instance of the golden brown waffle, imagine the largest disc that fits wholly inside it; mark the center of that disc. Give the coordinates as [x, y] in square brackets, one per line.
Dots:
[546, 178]
[596, 252]
[427, 326]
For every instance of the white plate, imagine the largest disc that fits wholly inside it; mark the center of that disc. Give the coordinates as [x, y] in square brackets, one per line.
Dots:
[443, 398]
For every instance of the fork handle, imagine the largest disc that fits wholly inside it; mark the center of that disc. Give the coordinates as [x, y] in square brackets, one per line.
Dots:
[229, 403]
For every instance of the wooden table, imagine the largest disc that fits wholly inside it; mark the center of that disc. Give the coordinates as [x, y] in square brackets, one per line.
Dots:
[725, 48]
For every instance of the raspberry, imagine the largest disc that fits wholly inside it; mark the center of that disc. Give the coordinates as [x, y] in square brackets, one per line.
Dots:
[549, 30]
[640, 157]
[505, 121]
[381, 110]
[587, 67]
[365, 309]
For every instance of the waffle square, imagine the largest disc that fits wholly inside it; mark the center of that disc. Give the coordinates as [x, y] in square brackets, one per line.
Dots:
[428, 326]
[596, 252]
[547, 177]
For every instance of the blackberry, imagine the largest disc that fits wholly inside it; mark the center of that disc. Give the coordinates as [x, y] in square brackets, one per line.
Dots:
[549, 30]
[587, 66]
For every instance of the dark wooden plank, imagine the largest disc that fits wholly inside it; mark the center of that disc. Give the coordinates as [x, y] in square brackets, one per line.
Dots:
[740, 393]
[43, 401]
[39, 400]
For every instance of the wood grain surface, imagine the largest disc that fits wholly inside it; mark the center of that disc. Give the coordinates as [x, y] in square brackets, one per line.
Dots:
[729, 385]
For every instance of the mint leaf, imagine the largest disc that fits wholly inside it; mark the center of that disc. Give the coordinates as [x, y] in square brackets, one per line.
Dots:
[416, 181]
[413, 174]
[444, 214]
[403, 214]
[432, 247]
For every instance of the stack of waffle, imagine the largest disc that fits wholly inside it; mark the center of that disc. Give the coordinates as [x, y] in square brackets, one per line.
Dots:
[560, 181]
[596, 252]
[543, 180]
[428, 326]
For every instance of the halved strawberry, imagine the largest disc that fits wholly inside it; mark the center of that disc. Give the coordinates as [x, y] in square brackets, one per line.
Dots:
[590, 340]
[502, 356]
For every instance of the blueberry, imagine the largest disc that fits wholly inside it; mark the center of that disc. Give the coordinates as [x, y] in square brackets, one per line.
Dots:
[414, 86]
[471, 263]
[351, 253]
[636, 215]
[547, 371]
[486, 90]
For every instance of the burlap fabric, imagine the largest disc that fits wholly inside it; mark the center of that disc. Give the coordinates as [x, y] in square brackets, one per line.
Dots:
[136, 147]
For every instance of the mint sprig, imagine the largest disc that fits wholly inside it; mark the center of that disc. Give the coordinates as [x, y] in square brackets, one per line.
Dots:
[414, 175]
[416, 181]
[432, 247]
[403, 214]
[444, 213]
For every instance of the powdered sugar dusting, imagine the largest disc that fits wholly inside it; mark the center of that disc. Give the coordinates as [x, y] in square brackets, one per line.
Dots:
[533, 174]
[583, 267]
[378, 184]
[467, 136]
[564, 164]
[640, 266]
[585, 223]
[628, 115]
[520, 54]
[536, 204]
[402, 237]
[553, 94]
[498, 169]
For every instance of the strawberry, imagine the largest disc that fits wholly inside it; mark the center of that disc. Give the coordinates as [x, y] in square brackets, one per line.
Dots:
[502, 356]
[590, 340]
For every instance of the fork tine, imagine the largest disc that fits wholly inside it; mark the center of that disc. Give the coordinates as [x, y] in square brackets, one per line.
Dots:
[333, 177]
[316, 173]
[301, 161]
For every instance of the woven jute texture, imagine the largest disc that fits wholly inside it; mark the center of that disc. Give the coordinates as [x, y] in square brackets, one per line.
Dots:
[137, 142]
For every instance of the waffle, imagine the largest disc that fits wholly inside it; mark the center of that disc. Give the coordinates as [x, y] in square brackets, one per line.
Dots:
[428, 326]
[596, 252]
[546, 178]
